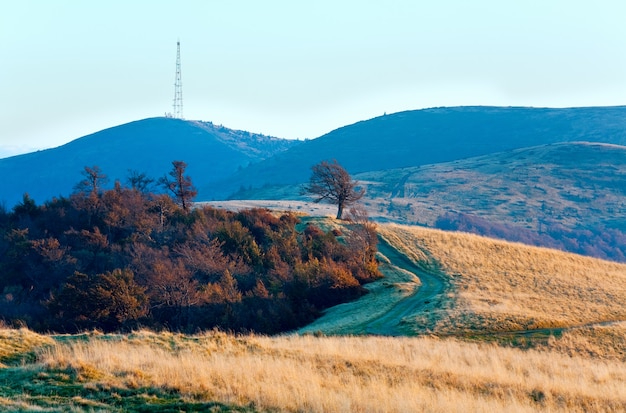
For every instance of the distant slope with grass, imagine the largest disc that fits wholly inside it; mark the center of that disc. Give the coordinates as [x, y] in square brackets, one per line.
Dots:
[570, 196]
[431, 136]
[565, 182]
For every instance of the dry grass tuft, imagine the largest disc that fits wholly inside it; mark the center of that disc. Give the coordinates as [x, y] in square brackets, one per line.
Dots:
[17, 345]
[575, 373]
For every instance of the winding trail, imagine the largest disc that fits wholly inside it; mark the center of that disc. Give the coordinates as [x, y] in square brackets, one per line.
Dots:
[428, 293]
[398, 297]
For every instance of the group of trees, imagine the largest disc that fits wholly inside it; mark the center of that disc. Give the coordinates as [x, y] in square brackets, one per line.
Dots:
[127, 256]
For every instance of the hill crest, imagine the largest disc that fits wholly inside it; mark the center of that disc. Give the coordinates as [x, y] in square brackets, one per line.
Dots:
[430, 136]
[147, 146]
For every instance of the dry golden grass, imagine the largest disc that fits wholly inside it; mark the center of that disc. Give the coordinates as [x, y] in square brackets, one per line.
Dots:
[339, 374]
[607, 342]
[16, 345]
[502, 286]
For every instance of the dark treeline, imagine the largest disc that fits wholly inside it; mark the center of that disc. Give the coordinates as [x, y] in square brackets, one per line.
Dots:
[127, 257]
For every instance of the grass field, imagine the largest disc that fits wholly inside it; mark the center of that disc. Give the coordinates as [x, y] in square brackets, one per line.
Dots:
[516, 329]
[146, 371]
[494, 289]
[498, 286]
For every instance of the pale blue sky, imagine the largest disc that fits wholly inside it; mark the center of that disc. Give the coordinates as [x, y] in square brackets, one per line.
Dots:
[295, 69]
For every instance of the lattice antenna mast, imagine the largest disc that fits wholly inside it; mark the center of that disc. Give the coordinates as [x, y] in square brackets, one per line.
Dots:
[178, 87]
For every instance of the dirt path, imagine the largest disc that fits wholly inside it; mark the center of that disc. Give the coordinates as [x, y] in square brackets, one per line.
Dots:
[429, 292]
[406, 290]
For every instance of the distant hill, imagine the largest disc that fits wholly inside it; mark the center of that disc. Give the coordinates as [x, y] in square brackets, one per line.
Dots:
[227, 163]
[572, 183]
[148, 146]
[430, 136]
[570, 196]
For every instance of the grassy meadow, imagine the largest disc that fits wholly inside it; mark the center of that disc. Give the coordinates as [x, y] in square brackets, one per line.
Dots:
[165, 372]
[497, 286]
[517, 329]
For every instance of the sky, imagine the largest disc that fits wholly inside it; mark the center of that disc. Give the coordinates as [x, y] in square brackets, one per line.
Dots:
[295, 69]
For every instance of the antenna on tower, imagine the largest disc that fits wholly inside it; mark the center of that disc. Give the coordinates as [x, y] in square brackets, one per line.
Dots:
[178, 87]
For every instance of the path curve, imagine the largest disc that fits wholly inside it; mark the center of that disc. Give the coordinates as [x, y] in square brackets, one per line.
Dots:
[428, 293]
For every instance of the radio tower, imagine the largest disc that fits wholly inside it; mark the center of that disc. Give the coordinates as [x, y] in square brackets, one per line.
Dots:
[178, 87]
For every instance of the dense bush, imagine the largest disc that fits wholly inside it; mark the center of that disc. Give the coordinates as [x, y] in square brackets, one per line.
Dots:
[125, 257]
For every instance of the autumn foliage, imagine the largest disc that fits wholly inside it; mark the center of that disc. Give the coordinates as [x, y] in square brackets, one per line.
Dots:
[125, 257]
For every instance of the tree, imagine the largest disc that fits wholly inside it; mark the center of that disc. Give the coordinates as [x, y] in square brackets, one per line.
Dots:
[361, 241]
[118, 297]
[363, 237]
[108, 300]
[180, 185]
[139, 181]
[88, 192]
[94, 179]
[27, 207]
[329, 181]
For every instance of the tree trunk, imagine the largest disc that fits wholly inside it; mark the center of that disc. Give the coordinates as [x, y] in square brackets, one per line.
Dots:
[339, 211]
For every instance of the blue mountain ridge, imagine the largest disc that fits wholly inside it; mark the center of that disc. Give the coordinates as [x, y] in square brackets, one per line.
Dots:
[222, 161]
[431, 136]
[148, 146]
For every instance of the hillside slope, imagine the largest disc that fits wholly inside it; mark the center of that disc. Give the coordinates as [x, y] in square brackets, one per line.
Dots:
[491, 287]
[570, 196]
[147, 146]
[568, 182]
[432, 136]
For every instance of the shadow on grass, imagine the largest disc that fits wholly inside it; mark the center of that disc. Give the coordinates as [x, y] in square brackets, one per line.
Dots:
[31, 388]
